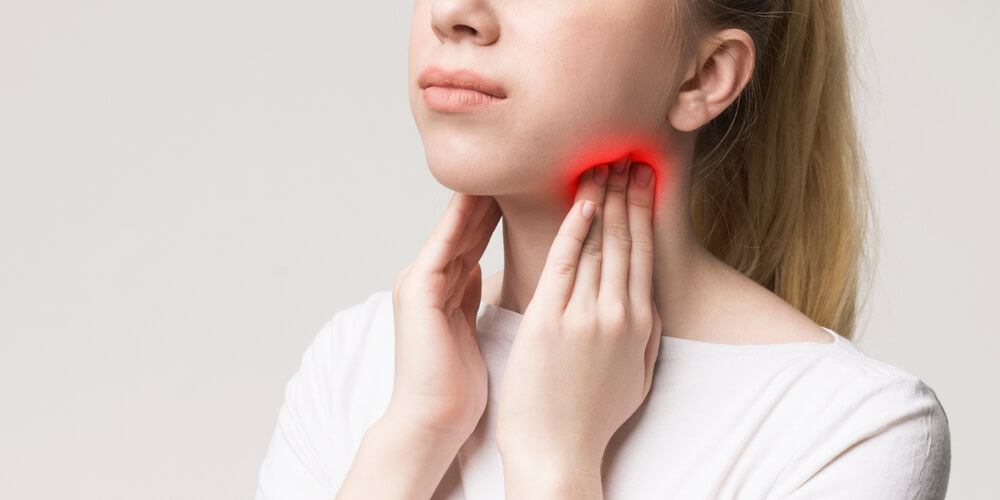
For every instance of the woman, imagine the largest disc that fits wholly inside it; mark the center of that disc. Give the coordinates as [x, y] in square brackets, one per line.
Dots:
[684, 206]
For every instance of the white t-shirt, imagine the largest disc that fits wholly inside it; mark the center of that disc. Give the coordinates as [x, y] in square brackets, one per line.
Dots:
[790, 421]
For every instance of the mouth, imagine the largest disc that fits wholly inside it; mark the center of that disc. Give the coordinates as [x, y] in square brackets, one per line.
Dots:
[461, 80]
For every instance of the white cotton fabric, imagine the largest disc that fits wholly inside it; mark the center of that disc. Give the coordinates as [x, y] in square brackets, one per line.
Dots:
[789, 421]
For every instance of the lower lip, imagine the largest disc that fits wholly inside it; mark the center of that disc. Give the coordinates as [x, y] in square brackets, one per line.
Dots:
[450, 99]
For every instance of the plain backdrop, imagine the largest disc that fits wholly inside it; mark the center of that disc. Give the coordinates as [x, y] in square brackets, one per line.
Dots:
[190, 189]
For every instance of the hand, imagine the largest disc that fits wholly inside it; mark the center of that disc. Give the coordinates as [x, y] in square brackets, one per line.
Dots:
[583, 357]
[440, 376]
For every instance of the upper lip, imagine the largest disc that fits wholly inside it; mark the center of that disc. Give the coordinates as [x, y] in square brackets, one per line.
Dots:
[460, 78]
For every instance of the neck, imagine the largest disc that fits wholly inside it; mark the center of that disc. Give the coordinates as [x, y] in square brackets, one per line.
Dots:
[684, 272]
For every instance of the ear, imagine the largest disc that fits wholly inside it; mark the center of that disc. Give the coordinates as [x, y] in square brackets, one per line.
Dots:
[719, 73]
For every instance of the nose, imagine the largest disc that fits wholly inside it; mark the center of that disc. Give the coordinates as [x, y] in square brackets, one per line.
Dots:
[457, 20]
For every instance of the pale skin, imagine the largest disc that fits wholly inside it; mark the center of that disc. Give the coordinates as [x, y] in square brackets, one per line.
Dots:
[505, 162]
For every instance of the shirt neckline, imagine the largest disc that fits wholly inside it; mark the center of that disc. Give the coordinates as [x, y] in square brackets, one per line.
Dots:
[504, 322]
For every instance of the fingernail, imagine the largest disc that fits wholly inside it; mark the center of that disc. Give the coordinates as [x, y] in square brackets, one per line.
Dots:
[588, 209]
[600, 174]
[643, 173]
[620, 165]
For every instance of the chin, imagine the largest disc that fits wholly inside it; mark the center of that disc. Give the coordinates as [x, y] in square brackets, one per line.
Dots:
[491, 167]
[474, 174]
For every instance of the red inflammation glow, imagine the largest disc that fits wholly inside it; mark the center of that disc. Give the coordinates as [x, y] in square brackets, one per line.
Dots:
[610, 147]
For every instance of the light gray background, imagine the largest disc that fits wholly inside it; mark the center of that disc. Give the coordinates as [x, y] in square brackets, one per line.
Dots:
[190, 189]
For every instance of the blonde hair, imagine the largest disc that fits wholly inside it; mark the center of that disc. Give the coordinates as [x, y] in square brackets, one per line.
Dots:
[779, 187]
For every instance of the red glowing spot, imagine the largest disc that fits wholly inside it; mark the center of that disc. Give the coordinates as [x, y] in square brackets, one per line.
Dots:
[610, 147]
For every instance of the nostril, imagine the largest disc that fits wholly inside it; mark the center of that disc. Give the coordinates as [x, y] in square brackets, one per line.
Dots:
[462, 27]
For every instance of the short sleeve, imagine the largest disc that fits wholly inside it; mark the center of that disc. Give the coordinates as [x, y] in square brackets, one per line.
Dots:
[894, 443]
[298, 460]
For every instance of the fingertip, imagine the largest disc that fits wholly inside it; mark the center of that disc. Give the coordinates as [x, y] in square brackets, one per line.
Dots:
[640, 184]
[601, 175]
[588, 209]
[642, 174]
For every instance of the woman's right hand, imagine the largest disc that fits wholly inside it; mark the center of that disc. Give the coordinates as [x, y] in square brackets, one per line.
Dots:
[440, 376]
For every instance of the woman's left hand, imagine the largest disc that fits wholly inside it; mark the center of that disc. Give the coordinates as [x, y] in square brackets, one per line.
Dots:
[583, 357]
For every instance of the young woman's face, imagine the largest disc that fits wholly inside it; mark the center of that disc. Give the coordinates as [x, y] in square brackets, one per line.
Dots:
[585, 81]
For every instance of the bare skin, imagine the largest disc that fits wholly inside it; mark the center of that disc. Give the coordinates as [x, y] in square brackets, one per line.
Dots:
[738, 310]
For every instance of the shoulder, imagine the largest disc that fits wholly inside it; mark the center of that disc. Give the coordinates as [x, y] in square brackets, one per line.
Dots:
[347, 371]
[369, 313]
[354, 345]
[872, 423]
[342, 385]
[354, 337]
[368, 323]
[882, 387]
[885, 393]
[357, 340]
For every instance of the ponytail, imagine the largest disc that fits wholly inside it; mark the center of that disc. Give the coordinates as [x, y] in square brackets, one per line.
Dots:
[779, 189]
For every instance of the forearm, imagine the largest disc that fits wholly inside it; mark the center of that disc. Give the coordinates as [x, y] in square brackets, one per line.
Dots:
[397, 461]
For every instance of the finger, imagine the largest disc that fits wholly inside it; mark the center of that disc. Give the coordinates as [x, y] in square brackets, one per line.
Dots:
[470, 301]
[485, 232]
[556, 283]
[460, 266]
[440, 247]
[588, 274]
[456, 295]
[483, 228]
[457, 270]
[616, 235]
[453, 273]
[640, 217]
[482, 207]
[469, 235]
[472, 231]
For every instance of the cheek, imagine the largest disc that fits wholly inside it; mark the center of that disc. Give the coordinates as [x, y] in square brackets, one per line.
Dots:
[579, 90]
[597, 72]
[589, 100]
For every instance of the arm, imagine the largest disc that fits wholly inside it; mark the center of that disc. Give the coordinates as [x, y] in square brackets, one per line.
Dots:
[397, 459]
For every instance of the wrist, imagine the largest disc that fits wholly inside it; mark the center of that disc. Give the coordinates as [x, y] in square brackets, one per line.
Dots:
[401, 422]
[582, 457]
[396, 460]
[536, 477]
[556, 470]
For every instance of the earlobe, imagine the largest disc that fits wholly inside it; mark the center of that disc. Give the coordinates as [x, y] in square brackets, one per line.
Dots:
[723, 70]
[688, 112]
